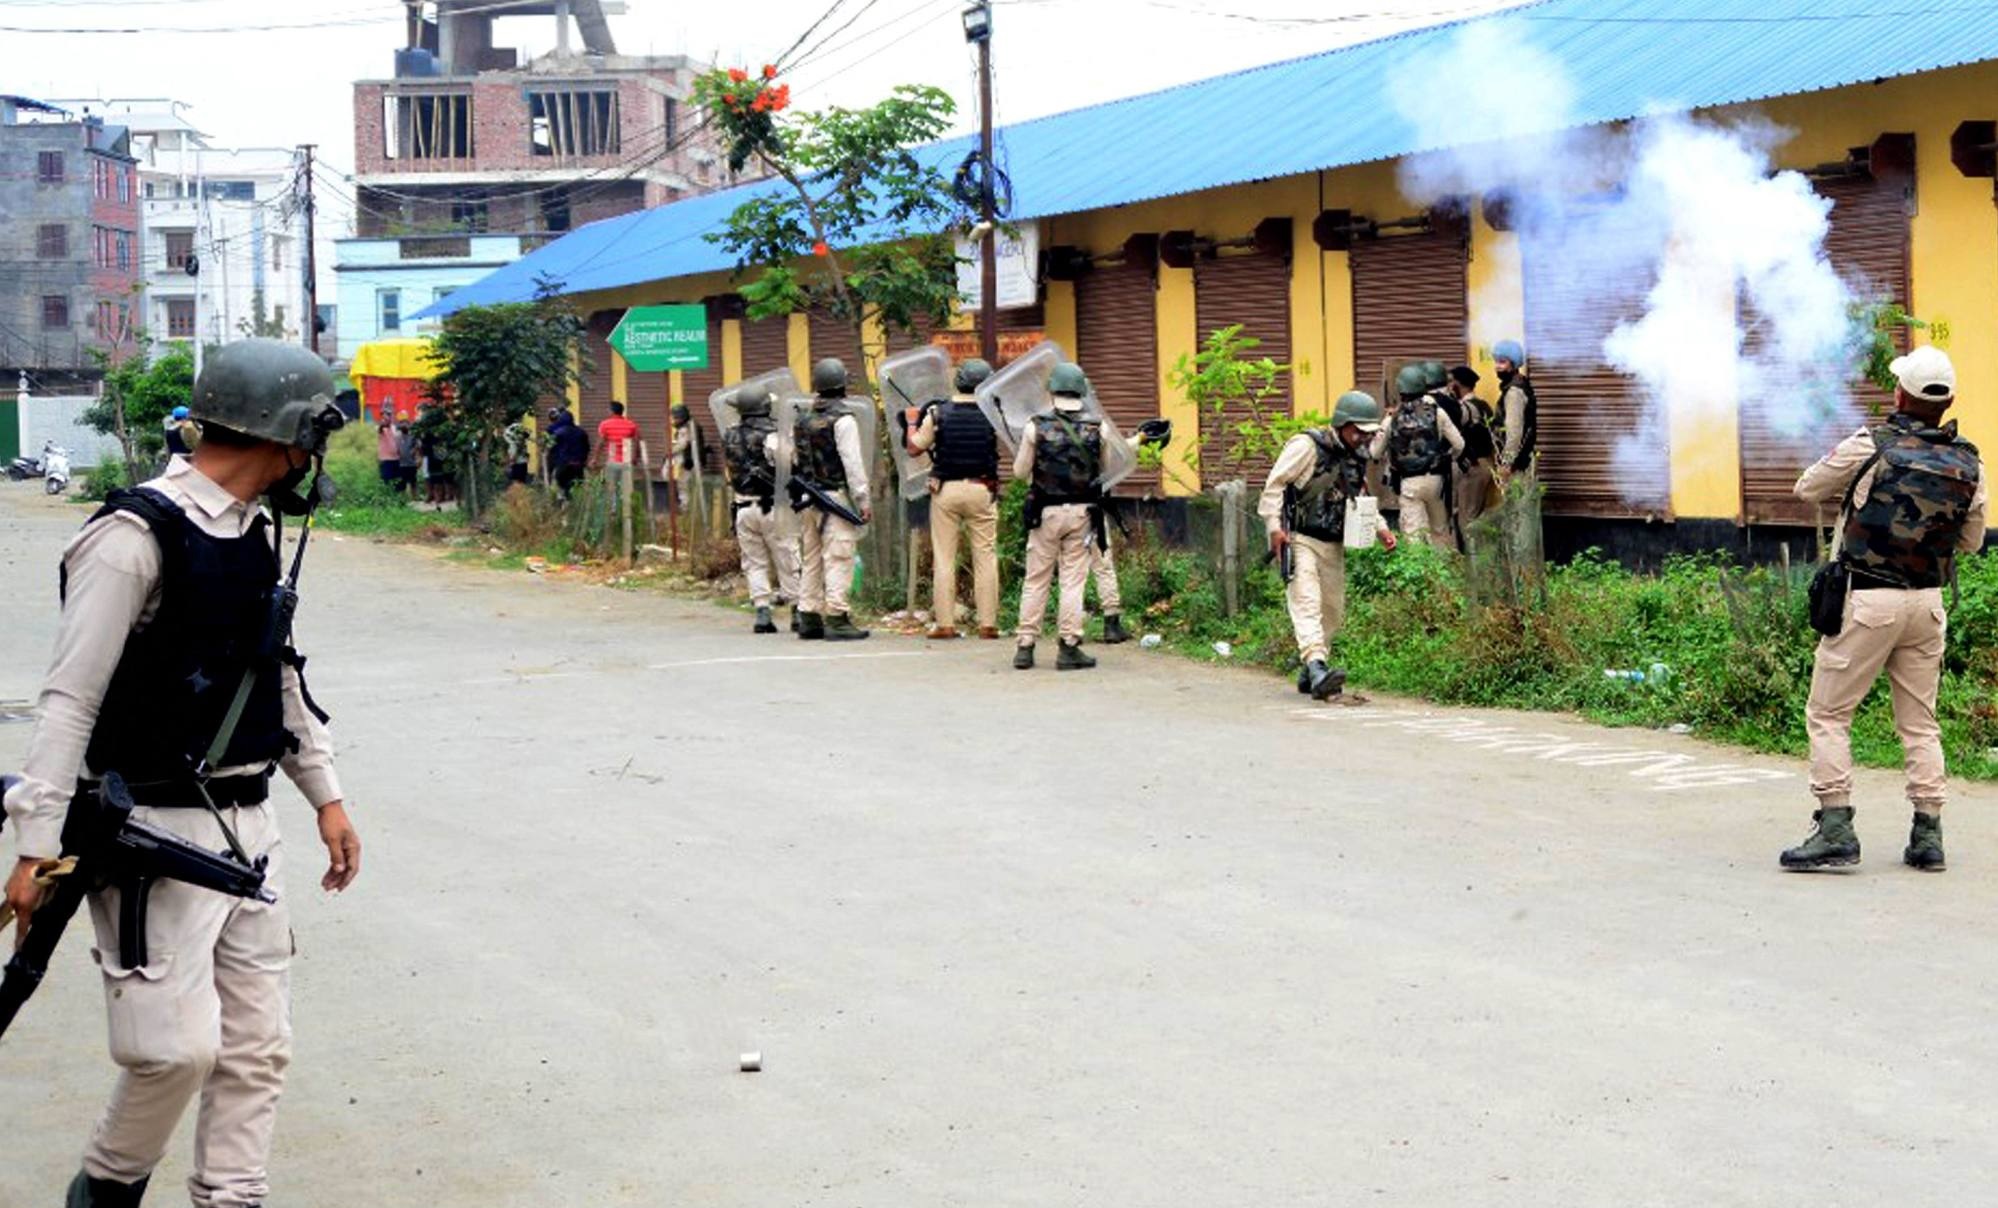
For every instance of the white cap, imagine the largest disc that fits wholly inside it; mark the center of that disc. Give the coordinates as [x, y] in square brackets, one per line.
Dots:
[1926, 373]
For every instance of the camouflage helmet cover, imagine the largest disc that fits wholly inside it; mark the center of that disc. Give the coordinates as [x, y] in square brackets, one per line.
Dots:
[270, 390]
[829, 377]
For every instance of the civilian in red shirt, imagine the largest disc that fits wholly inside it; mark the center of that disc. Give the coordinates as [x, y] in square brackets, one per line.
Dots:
[613, 432]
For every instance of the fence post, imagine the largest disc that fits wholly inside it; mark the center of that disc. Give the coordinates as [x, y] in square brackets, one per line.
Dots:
[1231, 545]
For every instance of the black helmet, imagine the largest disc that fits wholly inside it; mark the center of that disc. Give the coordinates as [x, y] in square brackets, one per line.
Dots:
[972, 373]
[829, 377]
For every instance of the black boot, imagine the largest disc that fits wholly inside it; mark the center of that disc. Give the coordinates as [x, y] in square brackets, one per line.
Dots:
[811, 627]
[86, 1192]
[1326, 682]
[840, 628]
[1304, 680]
[1071, 658]
[796, 626]
[1832, 845]
[1925, 848]
[1023, 657]
[764, 623]
[1113, 629]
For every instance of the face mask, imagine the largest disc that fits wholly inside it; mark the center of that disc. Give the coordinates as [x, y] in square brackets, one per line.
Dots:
[290, 501]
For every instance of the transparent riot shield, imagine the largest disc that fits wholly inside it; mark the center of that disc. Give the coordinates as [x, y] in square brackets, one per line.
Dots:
[1120, 457]
[778, 383]
[909, 381]
[790, 411]
[1012, 397]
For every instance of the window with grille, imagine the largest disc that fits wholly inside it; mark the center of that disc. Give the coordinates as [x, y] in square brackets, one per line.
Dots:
[55, 311]
[573, 122]
[179, 249]
[48, 167]
[52, 241]
[435, 125]
[180, 318]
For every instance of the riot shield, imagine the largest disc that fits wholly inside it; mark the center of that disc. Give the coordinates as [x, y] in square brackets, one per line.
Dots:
[1120, 458]
[1012, 397]
[781, 383]
[789, 411]
[909, 381]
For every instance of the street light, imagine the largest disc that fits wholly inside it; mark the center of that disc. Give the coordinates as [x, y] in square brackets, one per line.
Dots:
[978, 23]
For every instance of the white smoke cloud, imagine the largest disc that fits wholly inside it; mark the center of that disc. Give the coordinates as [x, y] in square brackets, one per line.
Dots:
[1680, 221]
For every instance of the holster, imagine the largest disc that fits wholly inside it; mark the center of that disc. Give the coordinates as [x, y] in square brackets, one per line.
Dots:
[1098, 530]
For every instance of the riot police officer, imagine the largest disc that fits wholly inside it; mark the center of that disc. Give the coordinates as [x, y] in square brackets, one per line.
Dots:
[158, 677]
[1516, 418]
[830, 454]
[1420, 442]
[964, 496]
[1061, 457]
[1303, 506]
[750, 449]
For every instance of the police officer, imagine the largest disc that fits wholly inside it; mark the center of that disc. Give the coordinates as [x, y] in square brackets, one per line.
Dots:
[1911, 497]
[750, 450]
[181, 434]
[829, 453]
[1419, 442]
[1475, 469]
[1061, 457]
[686, 451]
[964, 496]
[158, 590]
[1516, 418]
[1303, 506]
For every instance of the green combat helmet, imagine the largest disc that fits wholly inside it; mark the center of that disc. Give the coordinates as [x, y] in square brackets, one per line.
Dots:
[1068, 380]
[270, 390]
[829, 377]
[972, 374]
[1410, 382]
[1358, 408]
[1434, 375]
[750, 403]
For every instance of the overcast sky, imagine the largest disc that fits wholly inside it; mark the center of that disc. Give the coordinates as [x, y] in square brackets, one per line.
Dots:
[252, 85]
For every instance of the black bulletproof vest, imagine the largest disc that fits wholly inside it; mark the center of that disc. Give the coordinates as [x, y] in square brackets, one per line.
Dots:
[1529, 438]
[177, 676]
[966, 446]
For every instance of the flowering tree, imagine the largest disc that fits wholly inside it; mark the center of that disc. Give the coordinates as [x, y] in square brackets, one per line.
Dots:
[860, 206]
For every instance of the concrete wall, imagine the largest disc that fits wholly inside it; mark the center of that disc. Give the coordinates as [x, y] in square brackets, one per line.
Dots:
[26, 278]
[59, 418]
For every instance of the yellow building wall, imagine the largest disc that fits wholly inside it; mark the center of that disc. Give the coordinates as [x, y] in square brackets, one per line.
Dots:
[731, 350]
[798, 346]
[1058, 310]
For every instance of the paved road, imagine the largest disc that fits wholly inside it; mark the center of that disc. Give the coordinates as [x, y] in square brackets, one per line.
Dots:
[1150, 936]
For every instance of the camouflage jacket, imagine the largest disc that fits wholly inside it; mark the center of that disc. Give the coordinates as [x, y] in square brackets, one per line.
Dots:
[1917, 498]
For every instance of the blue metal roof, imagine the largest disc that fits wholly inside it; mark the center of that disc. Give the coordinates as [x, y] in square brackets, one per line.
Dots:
[1327, 110]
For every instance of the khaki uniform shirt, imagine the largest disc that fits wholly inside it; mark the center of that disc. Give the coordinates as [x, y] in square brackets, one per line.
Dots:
[1512, 406]
[114, 590]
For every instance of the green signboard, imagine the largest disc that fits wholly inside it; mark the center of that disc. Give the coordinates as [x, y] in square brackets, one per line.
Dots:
[654, 339]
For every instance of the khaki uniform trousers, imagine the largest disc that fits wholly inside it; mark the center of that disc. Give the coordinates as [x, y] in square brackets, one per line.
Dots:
[1316, 594]
[769, 556]
[1061, 543]
[828, 545]
[1424, 511]
[1901, 632]
[1474, 492]
[1103, 569]
[209, 1012]
[965, 505]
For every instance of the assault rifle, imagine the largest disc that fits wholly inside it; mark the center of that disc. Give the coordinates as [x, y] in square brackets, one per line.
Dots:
[808, 494]
[111, 848]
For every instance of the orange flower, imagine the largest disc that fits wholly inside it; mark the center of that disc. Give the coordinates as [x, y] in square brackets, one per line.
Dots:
[761, 103]
[820, 249]
[737, 74]
[728, 98]
[769, 71]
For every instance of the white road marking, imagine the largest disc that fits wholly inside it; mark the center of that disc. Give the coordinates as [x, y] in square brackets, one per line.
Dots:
[788, 658]
[1665, 771]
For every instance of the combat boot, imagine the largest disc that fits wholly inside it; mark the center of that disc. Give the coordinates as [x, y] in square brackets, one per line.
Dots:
[796, 625]
[1326, 682]
[1832, 845]
[1023, 657]
[1113, 629]
[840, 628]
[1304, 680]
[1071, 658]
[86, 1192]
[1925, 848]
[811, 627]
[764, 622]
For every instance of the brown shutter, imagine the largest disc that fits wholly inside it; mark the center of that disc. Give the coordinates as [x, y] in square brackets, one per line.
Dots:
[596, 390]
[1251, 290]
[901, 340]
[834, 337]
[765, 345]
[697, 384]
[1117, 338]
[1599, 455]
[1408, 305]
[646, 398]
[1868, 246]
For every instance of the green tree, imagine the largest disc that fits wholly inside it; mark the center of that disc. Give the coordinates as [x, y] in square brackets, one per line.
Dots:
[141, 389]
[495, 363]
[1239, 396]
[860, 207]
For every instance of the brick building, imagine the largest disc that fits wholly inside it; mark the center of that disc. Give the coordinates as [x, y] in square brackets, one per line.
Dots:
[69, 240]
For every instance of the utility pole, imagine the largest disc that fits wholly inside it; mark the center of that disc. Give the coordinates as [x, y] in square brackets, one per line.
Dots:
[204, 259]
[310, 260]
[978, 29]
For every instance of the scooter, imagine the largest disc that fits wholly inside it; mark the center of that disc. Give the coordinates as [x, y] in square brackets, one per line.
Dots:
[21, 469]
[55, 468]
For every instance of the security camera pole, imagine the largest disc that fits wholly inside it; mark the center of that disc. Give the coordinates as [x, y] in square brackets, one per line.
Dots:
[978, 29]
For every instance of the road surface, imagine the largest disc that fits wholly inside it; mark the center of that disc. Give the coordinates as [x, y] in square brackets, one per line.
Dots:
[1151, 935]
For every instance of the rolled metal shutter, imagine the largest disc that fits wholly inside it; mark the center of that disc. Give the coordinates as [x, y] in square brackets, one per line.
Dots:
[1117, 338]
[645, 401]
[696, 385]
[595, 394]
[1868, 246]
[834, 337]
[1252, 290]
[1408, 305]
[766, 345]
[1602, 452]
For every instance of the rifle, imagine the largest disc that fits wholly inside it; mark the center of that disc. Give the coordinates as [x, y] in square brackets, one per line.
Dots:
[1286, 562]
[808, 494]
[110, 847]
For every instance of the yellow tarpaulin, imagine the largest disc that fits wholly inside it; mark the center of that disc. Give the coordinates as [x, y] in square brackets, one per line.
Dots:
[405, 357]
